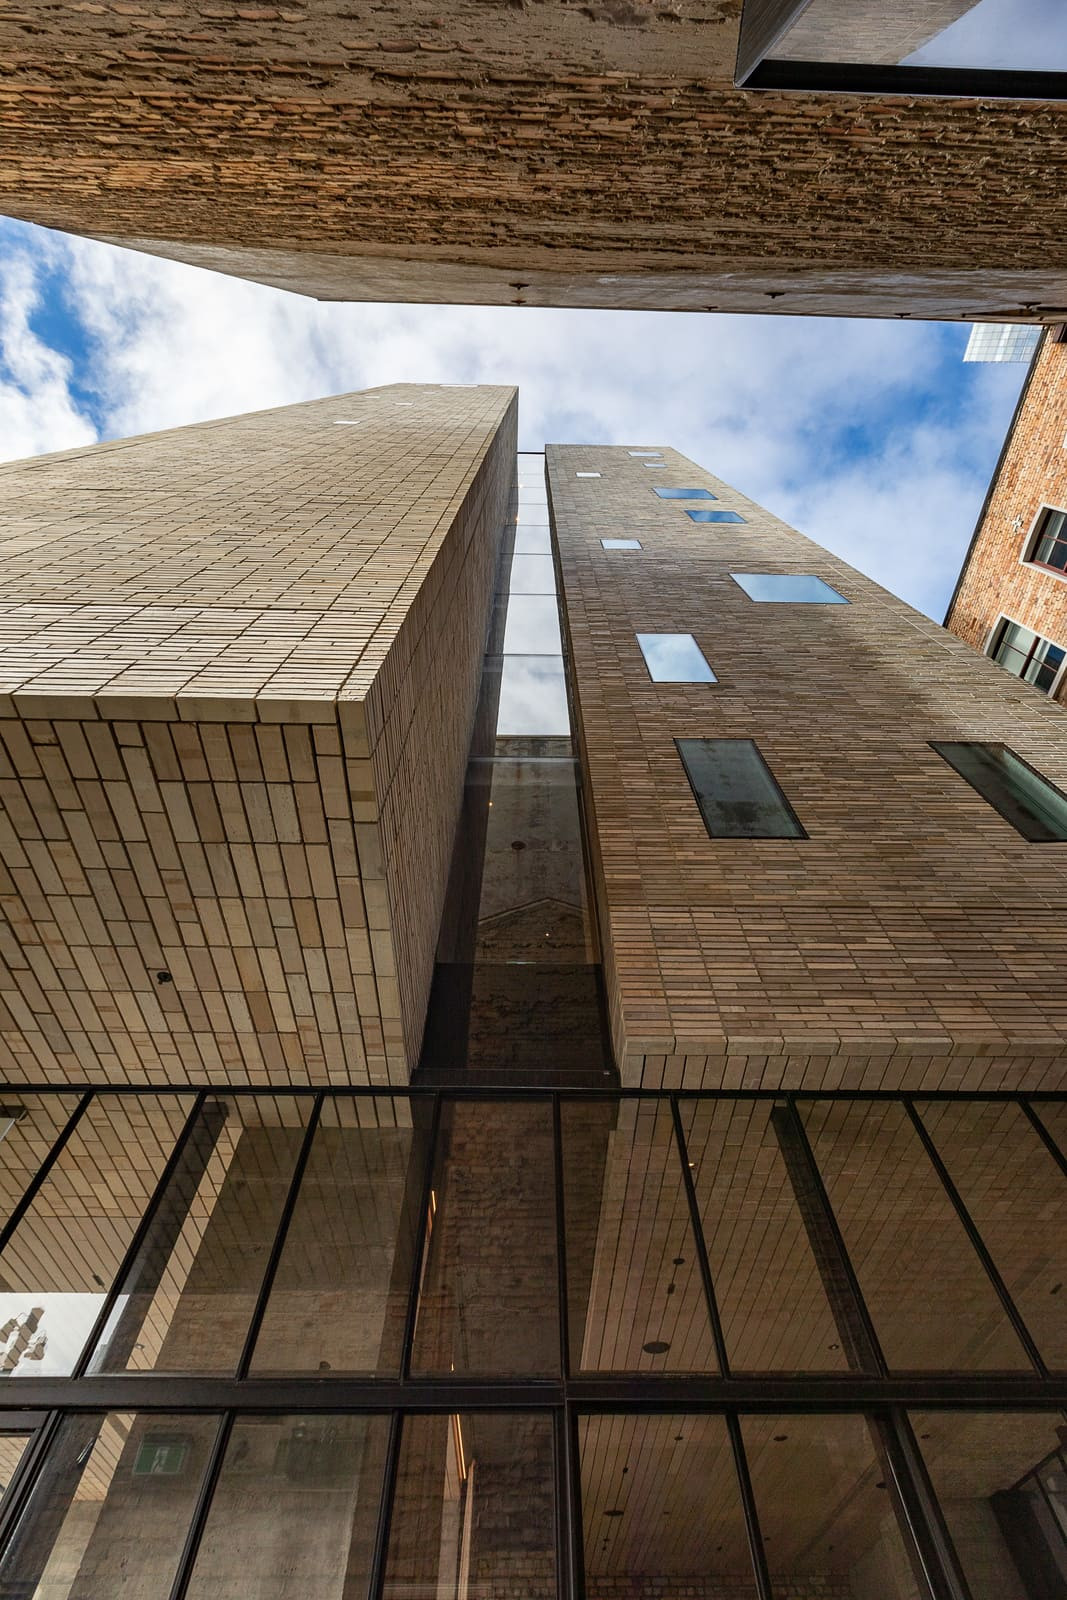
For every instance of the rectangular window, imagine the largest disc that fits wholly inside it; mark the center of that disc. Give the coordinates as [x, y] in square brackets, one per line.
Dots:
[674, 658]
[715, 516]
[621, 544]
[1033, 806]
[644, 452]
[1048, 542]
[736, 790]
[587, 474]
[685, 494]
[788, 588]
[1026, 654]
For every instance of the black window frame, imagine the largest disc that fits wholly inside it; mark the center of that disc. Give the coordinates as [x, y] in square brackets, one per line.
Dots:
[1001, 805]
[800, 831]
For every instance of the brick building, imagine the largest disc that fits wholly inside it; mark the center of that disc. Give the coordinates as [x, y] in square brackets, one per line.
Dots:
[1010, 601]
[526, 1068]
[551, 154]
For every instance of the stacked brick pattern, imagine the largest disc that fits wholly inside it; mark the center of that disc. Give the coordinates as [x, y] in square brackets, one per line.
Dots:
[518, 154]
[894, 946]
[995, 581]
[239, 670]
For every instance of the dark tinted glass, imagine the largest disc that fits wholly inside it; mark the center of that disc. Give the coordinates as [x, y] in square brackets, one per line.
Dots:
[715, 516]
[685, 494]
[1051, 546]
[1033, 806]
[736, 791]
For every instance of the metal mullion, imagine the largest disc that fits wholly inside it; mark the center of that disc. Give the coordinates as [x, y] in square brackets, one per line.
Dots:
[916, 1496]
[140, 1234]
[383, 1526]
[40, 1177]
[279, 1238]
[699, 1245]
[561, 1240]
[419, 1251]
[567, 1580]
[24, 1479]
[1050, 1144]
[576, 1542]
[202, 1509]
[1008, 1305]
[756, 1551]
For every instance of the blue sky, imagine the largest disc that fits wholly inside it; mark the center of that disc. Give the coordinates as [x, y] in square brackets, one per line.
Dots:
[872, 437]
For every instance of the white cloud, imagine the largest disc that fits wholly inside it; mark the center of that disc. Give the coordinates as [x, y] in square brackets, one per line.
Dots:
[37, 411]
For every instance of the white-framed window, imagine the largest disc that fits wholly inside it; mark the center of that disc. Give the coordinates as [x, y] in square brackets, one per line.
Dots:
[1046, 543]
[1027, 655]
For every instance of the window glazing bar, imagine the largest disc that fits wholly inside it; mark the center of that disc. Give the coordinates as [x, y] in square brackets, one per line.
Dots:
[756, 1551]
[419, 1252]
[202, 1509]
[24, 1479]
[383, 1526]
[561, 1240]
[915, 1497]
[1050, 1144]
[43, 1172]
[576, 1551]
[699, 1245]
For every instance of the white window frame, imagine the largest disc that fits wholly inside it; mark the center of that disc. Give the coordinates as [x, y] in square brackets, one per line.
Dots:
[1026, 558]
[987, 650]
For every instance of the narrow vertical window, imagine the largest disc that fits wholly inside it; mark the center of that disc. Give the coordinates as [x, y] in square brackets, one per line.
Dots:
[736, 790]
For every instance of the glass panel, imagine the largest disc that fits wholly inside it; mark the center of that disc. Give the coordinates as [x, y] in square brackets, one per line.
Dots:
[715, 516]
[827, 1516]
[932, 1305]
[1033, 806]
[533, 696]
[532, 574]
[788, 588]
[64, 1254]
[1017, 1196]
[774, 1311]
[644, 452]
[621, 544]
[532, 540]
[1020, 35]
[587, 474]
[188, 1297]
[110, 1510]
[1001, 1481]
[736, 791]
[684, 494]
[488, 1301]
[474, 1510]
[661, 1512]
[1026, 654]
[30, 1124]
[634, 1290]
[340, 1294]
[295, 1509]
[12, 1449]
[674, 658]
[1051, 546]
[657, 466]
[532, 627]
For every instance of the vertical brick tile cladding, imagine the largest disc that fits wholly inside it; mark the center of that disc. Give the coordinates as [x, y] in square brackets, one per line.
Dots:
[996, 581]
[238, 667]
[914, 937]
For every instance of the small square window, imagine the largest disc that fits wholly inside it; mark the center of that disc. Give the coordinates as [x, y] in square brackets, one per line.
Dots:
[788, 588]
[736, 791]
[621, 544]
[685, 494]
[587, 474]
[1047, 545]
[715, 516]
[674, 658]
[1034, 807]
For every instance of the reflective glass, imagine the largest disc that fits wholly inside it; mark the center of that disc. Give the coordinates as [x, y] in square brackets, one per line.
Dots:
[644, 452]
[64, 1254]
[825, 1508]
[674, 658]
[1050, 544]
[928, 1295]
[341, 1289]
[12, 1449]
[657, 466]
[685, 494]
[1017, 1197]
[736, 791]
[533, 697]
[489, 1283]
[532, 540]
[715, 516]
[30, 1124]
[587, 474]
[110, 1509]
[762, 1239]
[1027, 655]
[473, 1514]
[295, 1509]
[661, 1510]
[187, 1299]
[1015, 35]
[1033, 806]
[532, 627]
[621, 544]
[1001, 1480]
[788, 588]
[634, 1289]
[532, 574]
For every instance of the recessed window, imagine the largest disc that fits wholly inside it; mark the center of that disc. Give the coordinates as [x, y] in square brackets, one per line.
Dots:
[1047, 546]
[736, 790]
[788, 588]
[715, 516]
[674, 658]
[1027, 655]
[587, 474]
[1033, 806]
[346, 422]
[621, 544]
[657, 466]
[685, 494]
[644, 452]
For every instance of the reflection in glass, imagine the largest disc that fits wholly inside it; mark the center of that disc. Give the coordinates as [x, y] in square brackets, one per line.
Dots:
[110, 1510]
[473, 1513]
[1033, 806]
[64, 1254]
[1001, 1480]
[736, 790]
[825, 1508]
[685, 494]
[759, 1233]
[621, 544]
[674, 658]
[188, 1296]
[1017, 1197]
[30, 1124]
[533, 697]
[587, 474]
[12, 1448]
[340, 1292]
[788, 588]
[532, 574]
[932, 1305]
[295, 1509]
[489, 1286]
[998, 35]
[530, 539]
[661, 1511]
[1027, 655]
[532, 627]
[645, 1308]
[715, 516]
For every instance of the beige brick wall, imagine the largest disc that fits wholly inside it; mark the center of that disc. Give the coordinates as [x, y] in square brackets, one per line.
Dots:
[913, 938]
[238, 674]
